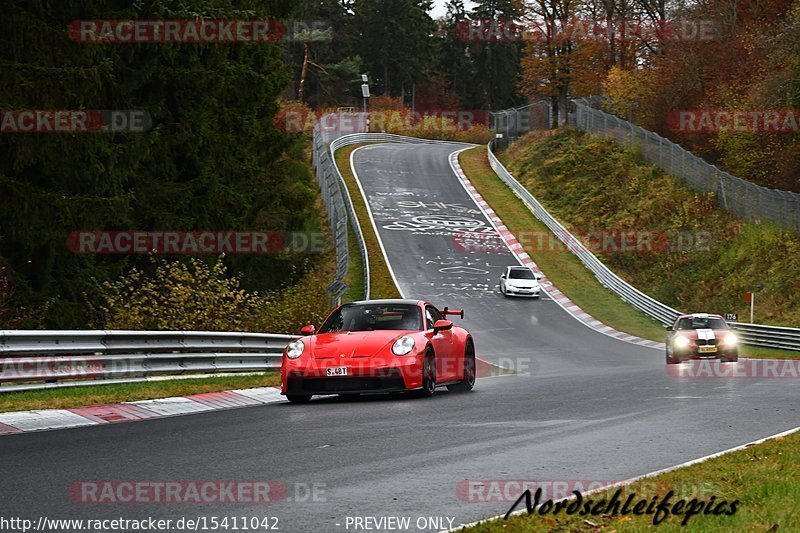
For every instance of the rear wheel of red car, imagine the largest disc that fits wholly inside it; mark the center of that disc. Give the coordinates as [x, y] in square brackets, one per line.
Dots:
[469, 371]
[298, 398]
[671, 361]
[428, 375]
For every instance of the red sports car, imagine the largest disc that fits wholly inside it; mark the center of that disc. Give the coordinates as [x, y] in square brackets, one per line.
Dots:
[378, 346]
[700, 336]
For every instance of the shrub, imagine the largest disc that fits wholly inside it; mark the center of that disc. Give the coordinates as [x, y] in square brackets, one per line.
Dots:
[178, 295]
[418, 124]
[193, 295]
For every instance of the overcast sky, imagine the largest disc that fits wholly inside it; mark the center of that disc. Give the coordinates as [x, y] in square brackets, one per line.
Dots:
[439, 9]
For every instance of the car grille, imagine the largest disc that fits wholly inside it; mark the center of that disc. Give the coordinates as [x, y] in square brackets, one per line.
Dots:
[390, 381]
[707, 342]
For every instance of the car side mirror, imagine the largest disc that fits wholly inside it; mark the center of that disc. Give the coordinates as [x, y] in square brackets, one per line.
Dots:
[308, 330]
[442, 325]
[502, 276]
[669, 328]
[538, 277]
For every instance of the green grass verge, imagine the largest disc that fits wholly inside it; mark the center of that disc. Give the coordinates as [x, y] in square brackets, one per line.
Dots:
[381, 282]
[766, 353]
[562, 267]
[65, 397]
[764, 478]
[355, 270]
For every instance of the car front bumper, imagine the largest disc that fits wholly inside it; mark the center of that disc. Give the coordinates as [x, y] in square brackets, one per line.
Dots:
[375, 374]
[694, 353]
[514, 291]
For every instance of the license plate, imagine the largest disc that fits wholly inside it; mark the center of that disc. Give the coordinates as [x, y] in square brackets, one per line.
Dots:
[707, 349]
[336, 371]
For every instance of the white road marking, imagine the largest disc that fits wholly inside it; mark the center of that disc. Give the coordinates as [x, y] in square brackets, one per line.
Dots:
[372, 218]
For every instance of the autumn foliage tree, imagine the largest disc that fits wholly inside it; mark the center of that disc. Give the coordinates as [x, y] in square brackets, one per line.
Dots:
[652, 57]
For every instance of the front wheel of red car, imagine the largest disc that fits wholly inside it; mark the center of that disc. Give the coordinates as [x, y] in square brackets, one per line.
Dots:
[469, 371]
[428, 375]
[298, 398]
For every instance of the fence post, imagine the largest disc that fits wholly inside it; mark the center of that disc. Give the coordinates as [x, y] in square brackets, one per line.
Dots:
[743, 198]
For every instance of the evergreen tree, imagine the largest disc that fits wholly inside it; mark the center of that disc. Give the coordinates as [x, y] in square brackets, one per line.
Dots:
[497, 63]
[455, 60]
[395, 39]
[212, 160]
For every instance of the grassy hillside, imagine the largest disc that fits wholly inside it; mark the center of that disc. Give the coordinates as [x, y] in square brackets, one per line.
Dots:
[693, 255]
[562, 267]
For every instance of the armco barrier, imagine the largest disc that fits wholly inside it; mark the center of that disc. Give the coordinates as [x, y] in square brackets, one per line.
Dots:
[43, 359]
[332, 197]
[752, 334]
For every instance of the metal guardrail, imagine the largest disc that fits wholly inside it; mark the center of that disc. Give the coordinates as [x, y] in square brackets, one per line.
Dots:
[768, 336]
[653, 308]
[330, 184]
[44, 359]
[752, 334]
[744, 199]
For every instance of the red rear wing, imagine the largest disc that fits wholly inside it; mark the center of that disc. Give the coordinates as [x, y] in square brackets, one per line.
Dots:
[447, 311]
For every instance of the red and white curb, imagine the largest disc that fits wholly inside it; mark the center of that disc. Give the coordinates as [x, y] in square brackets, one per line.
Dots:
[95, 415]
[552, 291]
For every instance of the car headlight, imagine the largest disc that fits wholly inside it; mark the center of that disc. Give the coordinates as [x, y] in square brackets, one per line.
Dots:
[403, 345]
[682, 341]
[730, 340]
[295, 349]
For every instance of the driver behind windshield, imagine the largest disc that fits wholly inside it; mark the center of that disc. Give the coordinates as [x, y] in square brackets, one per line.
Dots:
[373, 318]
[702, 323]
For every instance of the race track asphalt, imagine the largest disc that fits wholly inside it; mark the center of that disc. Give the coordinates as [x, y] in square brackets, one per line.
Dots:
[584, 406]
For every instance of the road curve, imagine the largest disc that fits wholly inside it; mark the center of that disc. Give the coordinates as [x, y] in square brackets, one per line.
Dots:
[586, 407]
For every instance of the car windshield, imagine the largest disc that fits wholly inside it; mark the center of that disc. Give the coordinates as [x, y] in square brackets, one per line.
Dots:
[521, 274]
[373, 317]
[702, 323]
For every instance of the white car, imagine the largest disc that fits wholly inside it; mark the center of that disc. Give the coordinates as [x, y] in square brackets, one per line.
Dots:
[520, 281]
